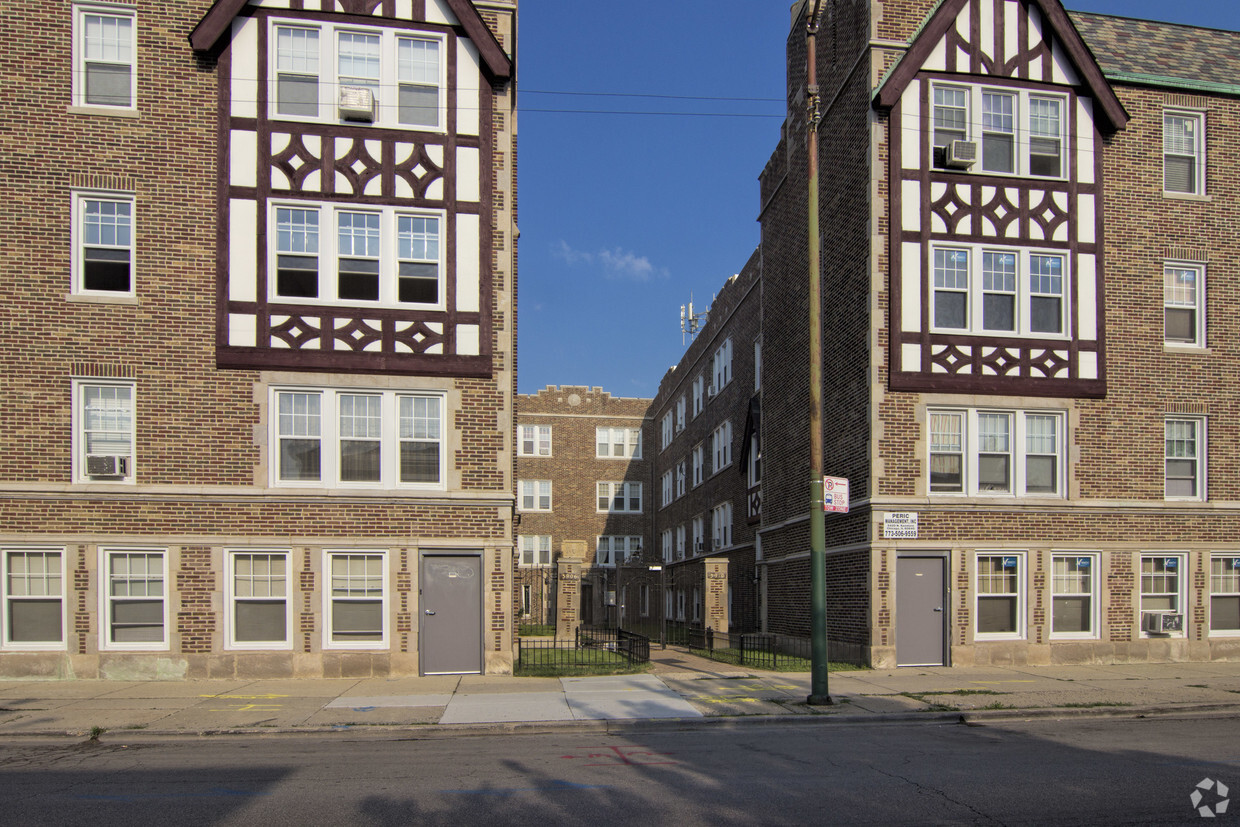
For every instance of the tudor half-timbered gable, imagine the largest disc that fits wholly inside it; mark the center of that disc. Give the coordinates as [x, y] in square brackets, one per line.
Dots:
[997, 116]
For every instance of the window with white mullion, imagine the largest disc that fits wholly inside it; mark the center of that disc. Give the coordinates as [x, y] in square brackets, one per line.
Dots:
[1184, 449]
[1000, 595]
[106, 59]
[104, 431]
[1045, 137]
[535, 550]
[104, 255]
[994, 452]
[951, 289]
[947, 452]
[1042, 450]
[1183, 296]
[297, 253]
[417, 73]
[1161, 583]
[420, 436]
[357, 251]
[998, 291]
[357, 598]
[135, 610]
[358, 61]
[998, 132]
[534, 440]
[535, 495]
[360, 428]
[1183, 153]
[951, 115]
[297, 71]
[1225, 594]
[990, 453]
[1046, 294]
[417, 254]
[259, 607]
[33, 598]
[1073, 595]
[300, 435]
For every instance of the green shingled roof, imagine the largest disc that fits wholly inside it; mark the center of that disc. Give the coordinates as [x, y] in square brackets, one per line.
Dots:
[1162, 54]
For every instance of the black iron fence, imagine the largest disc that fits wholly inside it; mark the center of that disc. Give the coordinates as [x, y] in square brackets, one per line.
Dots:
[590, 646]
[761, 650]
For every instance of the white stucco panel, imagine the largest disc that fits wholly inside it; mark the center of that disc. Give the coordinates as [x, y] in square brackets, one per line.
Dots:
[404, 9]
[1087, 297]
[467, 340]
[242, 330]
[1084, 142]
[1088, 362]
[937, 61]
[243, 158]
[468, 174]
[1085, 218]
[1062, 231]
[910, 356]
[469, 81]
[245, 67]
[243, 223]
[910, 287]
[910, 126]
[986, 20]
[910, 204]
[1011, 30]
[437, 11]
[468, 262]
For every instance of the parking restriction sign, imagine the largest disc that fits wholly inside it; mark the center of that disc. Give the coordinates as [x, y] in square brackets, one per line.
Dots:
[835, 494]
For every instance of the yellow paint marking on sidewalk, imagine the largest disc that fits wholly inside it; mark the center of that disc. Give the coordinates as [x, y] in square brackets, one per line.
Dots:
[227, 697]
[1017, 681]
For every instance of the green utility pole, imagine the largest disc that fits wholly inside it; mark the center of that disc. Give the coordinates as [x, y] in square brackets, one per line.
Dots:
[818, 695]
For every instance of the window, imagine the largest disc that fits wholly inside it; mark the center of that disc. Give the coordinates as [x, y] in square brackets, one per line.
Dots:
[535, 549]
[665, 428]
[527, 598]
[33, 590]
[997, 452]
[666, 542]
[643, 597]
[1016, 292]
[533, 440]
[1021, 132]
[1184, 153]
[618, 443]
[402, 73]
[721, 367]
[535, 495]
[680, 604]
[105, 58]
[356, 600]
[342, 254]
[103, 248]
[699, 534]
[667, 488]
[1073, 595]
[1225, 593]
[613, 550]
[680, 541]
[721, 525]
[699, 386]
[681, 474]
[259, 611]
[344, 438]
[721, 447]
[135, 611]
[620, 497]
[668, 597]
[697, 603]
[1184, 304]
[1161, 584]
[699, 464]
[1000, 596]
[757, 366]
[681, 405]
[1185, 458]
[755, 461]
[104, 431]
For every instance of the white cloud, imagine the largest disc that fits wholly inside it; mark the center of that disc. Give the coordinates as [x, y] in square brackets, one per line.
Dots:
[615, 263]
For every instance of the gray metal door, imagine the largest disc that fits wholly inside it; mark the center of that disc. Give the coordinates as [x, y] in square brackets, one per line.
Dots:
[450, 634]
[921, 604]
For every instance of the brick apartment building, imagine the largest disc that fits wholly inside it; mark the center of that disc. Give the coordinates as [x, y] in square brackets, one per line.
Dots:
[260, 331]
[583, 474]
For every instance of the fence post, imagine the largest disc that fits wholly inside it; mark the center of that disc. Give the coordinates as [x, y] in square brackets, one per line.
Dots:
[577, 637]
[710, 639]
[742, 649]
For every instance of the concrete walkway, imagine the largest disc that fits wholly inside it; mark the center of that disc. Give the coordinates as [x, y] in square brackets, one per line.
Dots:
[681, 689]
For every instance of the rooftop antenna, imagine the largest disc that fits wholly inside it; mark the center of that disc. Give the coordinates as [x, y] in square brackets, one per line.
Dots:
[690, 322]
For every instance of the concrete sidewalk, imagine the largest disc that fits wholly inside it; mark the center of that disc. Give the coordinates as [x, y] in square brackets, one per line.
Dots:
[681, 689]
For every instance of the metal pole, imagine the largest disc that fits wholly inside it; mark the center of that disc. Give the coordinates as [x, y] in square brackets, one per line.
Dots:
[818, 544]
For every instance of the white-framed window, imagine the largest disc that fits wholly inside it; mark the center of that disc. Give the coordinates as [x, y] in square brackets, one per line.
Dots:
[1000, 292]
[1000, 595]
[535, 495]
[643, 597]
[666, 488]
[344, 438]
[1018, 132]
[1162, 583]
[699, 464]
[699, 534]
[527, 598]
[313, 68]
[135, 603]
[32, 592]
[259, 612]
[697, 603]
[698, 394]
[680, 604]
[1225, 594]
[681, 406]
[355, 600]
[681, 477]
[620, 497]
[611, 550]
[352, 254]
[1184, 153]
[535, 550]
[1074, 595]
[721, 367]
[1185, 452]
[757, 365]
[721, 447]
[1015, 453]
[754, 471]
[533, 440]
[668, 608]
[103, 243]
[105, 56]
[721, 525]
[104, 431]
[1184, 293]
[665, 430]
[665, 540]
[618, 443]
[680, 541]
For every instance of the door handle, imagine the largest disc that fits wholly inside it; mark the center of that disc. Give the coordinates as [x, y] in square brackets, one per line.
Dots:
[939, 609]
[429, 612]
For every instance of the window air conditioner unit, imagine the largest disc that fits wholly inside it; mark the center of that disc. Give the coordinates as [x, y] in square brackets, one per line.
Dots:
[699, 545]
[1162, 623]
[357, 103]
[99, 465]
[960, 154]
[710, 392]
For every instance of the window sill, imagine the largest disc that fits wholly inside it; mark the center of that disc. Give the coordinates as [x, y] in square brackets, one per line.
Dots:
[984, 637]
[1067, 637]
[93, 298]
[259, 647]
[1169, 347]
[1186, 196]
[106, 111]
[1230, 634]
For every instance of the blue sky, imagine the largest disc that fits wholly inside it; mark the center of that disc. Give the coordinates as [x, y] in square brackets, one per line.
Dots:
[623, 217]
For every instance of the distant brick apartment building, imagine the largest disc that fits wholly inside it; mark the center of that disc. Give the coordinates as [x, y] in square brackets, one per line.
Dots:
[583, 472]
[259, 327]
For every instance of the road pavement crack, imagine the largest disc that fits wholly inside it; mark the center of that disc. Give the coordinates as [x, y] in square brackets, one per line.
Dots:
[925, 789]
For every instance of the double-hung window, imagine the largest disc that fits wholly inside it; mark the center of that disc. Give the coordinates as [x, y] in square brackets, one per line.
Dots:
[356, 600]
[535, 495]
[1184, 304]
[613, 550]
[336, 254]
[699, 464]
[998, 132]
[666, 489]
[1000, 595]
[1020, 132]
[104, 431]
[535, 549]
[680, 541]
[665, 542]
[620, 497]
[698, 392]
[533, 440]
[721, 447]
[1185, 459]
[103, 244]
[135, 607]
[722, 366]
[665, 430]
[389, 77]
[259, 609]
[1225, 593]
[105, 56]
[681, 473]
[621, 443]
[345, 438]
[33, 591]
[1162, 586]
[998, 291]
[1074, 595]
[1184, 153]
[721, 525]
[681, 405]
[699, 534]
[997, 452]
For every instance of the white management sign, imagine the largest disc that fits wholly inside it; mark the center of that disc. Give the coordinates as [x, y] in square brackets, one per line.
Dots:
[900, 525]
